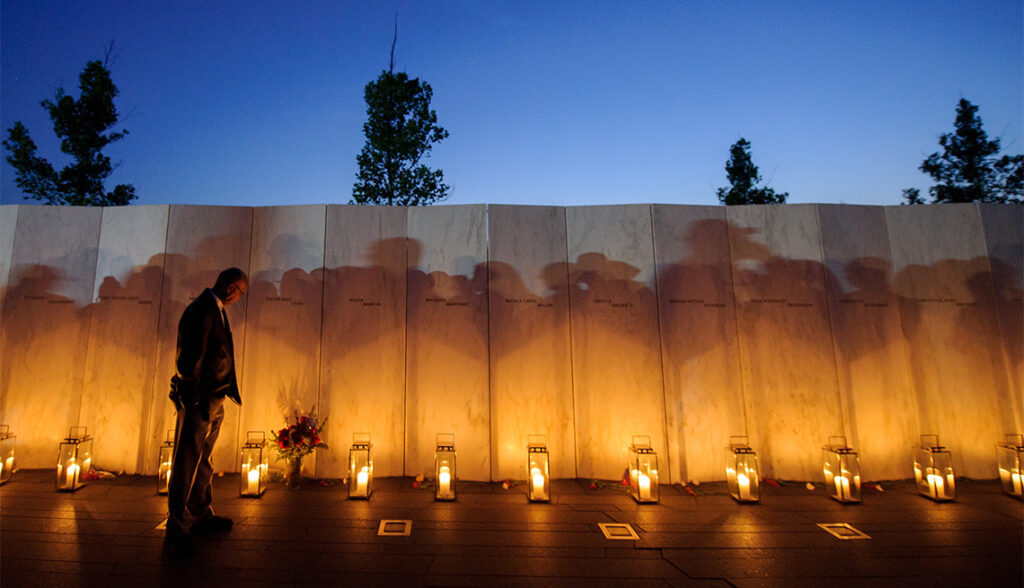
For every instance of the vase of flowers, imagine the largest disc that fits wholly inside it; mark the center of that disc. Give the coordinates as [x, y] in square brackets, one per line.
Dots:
[296, 441]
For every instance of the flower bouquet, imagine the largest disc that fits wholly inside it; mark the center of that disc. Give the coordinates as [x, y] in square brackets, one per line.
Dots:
[296, 441]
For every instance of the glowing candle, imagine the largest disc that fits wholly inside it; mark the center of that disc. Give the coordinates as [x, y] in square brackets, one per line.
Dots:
[644, 490]
[362, 480]
[444, 480]
[253, 485]
[9, 464]
[72, 475]
[842, 486]
[538, 481]
[1004, 476]
[936, 486]
[1016, 483]
[744, 483]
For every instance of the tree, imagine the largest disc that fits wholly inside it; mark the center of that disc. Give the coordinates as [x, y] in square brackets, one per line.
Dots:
[968, 169]
[743, 175]
[400, 131]
[82, 126]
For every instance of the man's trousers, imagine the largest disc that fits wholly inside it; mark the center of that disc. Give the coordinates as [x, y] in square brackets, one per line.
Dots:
[189, 496]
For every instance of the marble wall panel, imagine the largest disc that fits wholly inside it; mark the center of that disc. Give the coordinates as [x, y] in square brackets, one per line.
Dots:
[949, 318]
[202, 241]
[46, 326]
[121, 354]
[879, 405]
[446, 363]
[530, 361]
[700, 351]
[1004, 237]
[617, 372]
[362, 385]
[788, 363]
[8, 225]
[283, 320]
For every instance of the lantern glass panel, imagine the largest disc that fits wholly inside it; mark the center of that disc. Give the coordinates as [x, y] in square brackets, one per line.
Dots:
[360, 467]
[933, 470]
[842, 470]
[164, 459]
[643, 470]
[444, 467]
[74, 460]
[741, 471]
[253, 478]
[538, 475]
[1010, 457]
[6, 453]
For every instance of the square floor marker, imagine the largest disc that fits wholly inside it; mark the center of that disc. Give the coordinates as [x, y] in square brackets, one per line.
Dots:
[394, 528]
[844, 531]
[618, 531]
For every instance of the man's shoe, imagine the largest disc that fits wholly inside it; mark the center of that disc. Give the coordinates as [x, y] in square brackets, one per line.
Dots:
[214, 525]
[180, 545]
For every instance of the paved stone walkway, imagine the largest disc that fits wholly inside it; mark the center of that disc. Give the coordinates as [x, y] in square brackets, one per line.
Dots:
[104, 535]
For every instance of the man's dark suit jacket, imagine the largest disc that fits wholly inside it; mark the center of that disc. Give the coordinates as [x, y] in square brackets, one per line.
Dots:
[206, 354]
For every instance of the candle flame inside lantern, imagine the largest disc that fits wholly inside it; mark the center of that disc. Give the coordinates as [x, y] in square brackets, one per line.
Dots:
[537, 479]
[362, 480]
[444, 480]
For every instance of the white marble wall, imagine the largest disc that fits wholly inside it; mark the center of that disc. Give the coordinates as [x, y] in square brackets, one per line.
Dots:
[282, 323]
[700, 352]
[879, 405]
[789, 370]
[446, 362]
[591, 324]
[121, 353]
[617, 374]
[8, 225]
[949, 320]
[201, 242]
[46, 326]
[530, 364]
[1004, 237]
[362, 382]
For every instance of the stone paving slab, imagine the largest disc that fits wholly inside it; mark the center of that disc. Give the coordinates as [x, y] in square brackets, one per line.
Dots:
[105, 535]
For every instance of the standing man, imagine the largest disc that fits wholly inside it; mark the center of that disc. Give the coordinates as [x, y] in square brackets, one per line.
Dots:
[205, 368]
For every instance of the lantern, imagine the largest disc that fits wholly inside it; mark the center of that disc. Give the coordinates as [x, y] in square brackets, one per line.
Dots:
[842, 470]
[444, 467]
[360, 467]
[74, 459]
[643, 470]
[6, 453]
[1010, 457]
[537, 468]
[166, 456]
[741, 471]
[933, 470]
[253, 481]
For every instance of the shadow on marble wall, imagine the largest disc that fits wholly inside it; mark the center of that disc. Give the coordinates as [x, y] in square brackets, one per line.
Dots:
[697, 310]
[362, 375]
[448, 364]
[44, 340]
[121, 364]
[959, 364]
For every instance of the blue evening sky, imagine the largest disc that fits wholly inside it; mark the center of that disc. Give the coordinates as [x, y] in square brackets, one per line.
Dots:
[564, 103]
